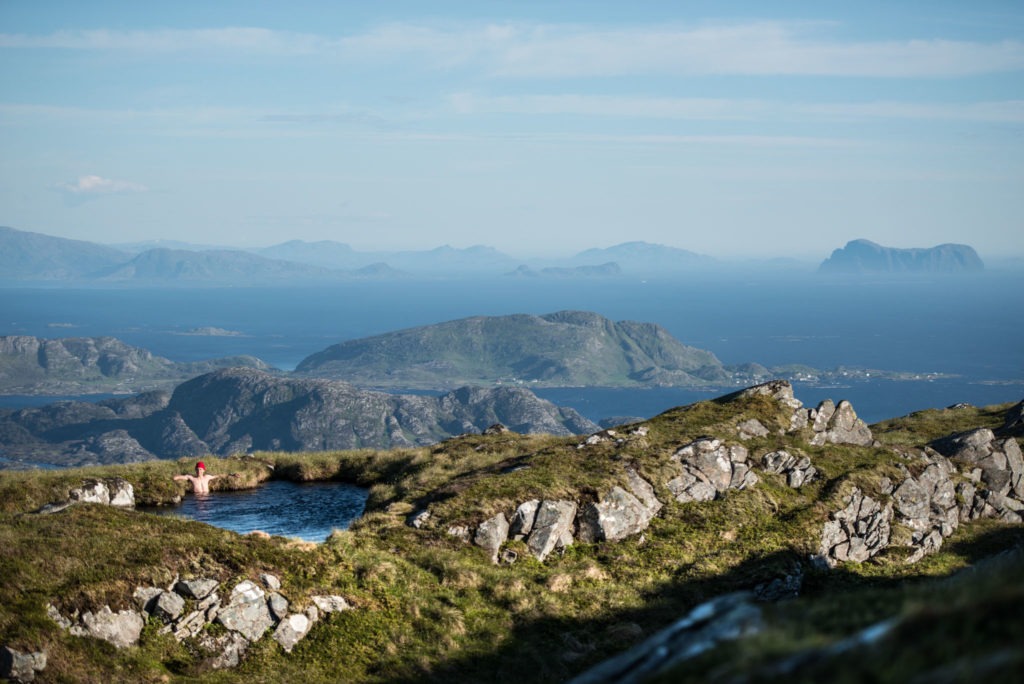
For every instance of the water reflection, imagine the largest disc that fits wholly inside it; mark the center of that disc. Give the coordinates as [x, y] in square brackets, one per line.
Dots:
[308, 511]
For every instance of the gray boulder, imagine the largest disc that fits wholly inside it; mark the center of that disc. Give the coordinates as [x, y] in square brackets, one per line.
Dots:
[168, 606]
[999, 460]
[856, 532]
[226, 650]
[145, 598]
[643, 490]
[491, 534]
[91, 491]
[522, 521]
[269, 581]
[709, 468]
[278, 606]
[122, 629]
[330, 604]
[797, 469]
[749, 429]
[21, 667]
[839, 425]
[616, 516]
[197, 589]
[246, 612]
[121, 492]
[552, 528]
[291, 630]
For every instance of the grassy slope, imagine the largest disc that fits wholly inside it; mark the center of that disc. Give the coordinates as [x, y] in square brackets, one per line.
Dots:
[432, 607]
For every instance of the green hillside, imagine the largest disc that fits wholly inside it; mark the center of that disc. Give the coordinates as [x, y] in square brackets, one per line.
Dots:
[568, 348]
[428, 603]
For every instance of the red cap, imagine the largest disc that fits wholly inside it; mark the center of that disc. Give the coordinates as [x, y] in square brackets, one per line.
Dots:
[200, 465]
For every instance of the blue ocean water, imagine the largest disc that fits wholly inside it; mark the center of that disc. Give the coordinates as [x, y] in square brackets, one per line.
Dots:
[968, 327]
[309, 511]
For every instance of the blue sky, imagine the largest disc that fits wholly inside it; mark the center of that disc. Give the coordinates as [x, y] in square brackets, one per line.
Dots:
[732, 129]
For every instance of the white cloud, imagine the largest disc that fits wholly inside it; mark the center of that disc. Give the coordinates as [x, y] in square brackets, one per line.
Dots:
[88, 187]
[97, 185]
[568, 51]
[1009, 111]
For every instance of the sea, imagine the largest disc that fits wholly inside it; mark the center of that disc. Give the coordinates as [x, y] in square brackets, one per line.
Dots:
[967, 331]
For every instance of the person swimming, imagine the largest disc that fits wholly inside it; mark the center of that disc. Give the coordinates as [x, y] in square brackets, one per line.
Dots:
[200, 481]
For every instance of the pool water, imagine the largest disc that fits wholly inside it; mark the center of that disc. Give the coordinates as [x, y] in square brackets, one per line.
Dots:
[309, 511]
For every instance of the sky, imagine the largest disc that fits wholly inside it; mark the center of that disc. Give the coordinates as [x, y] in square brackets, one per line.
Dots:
[746, 130]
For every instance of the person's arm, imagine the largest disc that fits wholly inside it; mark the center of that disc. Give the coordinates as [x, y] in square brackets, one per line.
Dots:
[213, 477]
[182, 477]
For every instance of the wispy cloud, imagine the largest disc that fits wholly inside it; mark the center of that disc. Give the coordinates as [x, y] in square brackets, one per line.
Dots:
[727, 109]
[567, 51]
[92, 187]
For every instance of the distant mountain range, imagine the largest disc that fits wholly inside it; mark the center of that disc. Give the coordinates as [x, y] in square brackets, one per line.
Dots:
[239, 410]
[864, 256]
[28, 256]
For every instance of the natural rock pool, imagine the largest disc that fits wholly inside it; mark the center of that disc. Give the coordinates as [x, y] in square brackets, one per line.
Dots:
[308, 510]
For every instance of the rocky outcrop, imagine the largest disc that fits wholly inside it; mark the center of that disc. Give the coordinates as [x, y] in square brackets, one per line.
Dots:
[247, 611]
[112, 491]
[122, 629]
[191, 605]
[551, 528]
[710, 467]
[994, 470]
[797, 469]
[491, 535]
[838, 424]
[620, 513]
[856, 532]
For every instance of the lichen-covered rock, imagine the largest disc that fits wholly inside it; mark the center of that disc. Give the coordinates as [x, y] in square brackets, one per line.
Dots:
[269, 581]
[145, 597]
[91, 491]
[226, 650]
[616, 516]
[552, 528]
[522, 521]
[122, 629]
[330, 604]
[491, 534]
[749, 429]
[856, 532]
[643, 490]
[780, 390]
[246, 612]
[710, 467]
[291, 630]
[797, 469]
[16, 666]
[839, 425]
[198, 588]
[995, 462]
[167, 606]
[278, 606]
[121, 492]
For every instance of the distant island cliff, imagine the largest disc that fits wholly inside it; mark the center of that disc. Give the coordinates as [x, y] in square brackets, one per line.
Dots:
[864, 256]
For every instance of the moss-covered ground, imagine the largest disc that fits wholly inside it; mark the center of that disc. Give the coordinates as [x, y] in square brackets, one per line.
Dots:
[431, 607]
